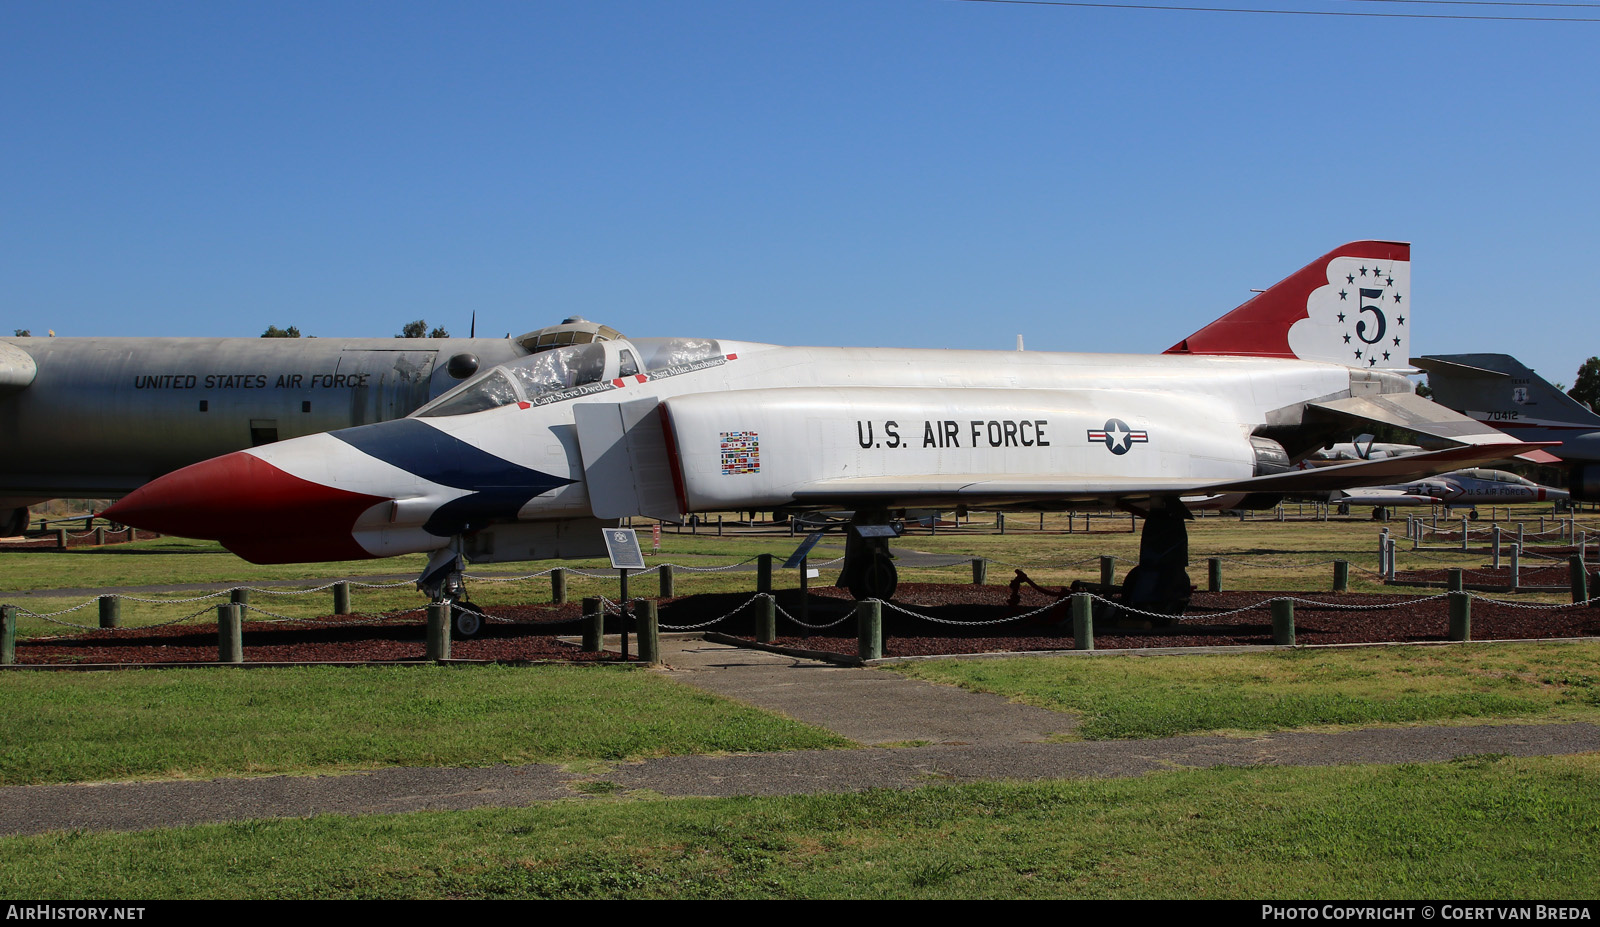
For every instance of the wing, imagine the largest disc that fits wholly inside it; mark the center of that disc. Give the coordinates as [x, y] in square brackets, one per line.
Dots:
[1001, 490]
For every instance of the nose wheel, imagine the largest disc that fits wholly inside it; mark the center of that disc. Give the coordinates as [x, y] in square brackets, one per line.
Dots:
[465, 618]
[443, 584]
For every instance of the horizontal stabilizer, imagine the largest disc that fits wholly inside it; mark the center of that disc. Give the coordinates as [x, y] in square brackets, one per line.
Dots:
[1413, 413]
[1444, 365]
[1387, 470]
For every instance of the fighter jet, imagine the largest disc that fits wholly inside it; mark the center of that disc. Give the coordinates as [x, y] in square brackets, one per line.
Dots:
[1457, 489]
[1499, 390]
[530, 459]
[93, 418]
[1364, 447]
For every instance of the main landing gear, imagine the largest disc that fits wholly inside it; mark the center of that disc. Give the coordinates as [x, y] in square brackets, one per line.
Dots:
[13, 522]
[869, 571]
[442, 582]
[1160, 583]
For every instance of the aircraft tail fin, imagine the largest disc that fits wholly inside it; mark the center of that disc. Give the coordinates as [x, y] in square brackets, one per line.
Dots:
[1501, 390]
[1351, 306]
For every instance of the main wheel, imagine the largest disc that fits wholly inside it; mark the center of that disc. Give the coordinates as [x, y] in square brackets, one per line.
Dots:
[15, 522]
[877, 580]
[1148, 590]
[467, 619]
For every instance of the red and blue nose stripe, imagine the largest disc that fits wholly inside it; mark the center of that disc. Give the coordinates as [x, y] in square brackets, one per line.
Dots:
[497, 488]
[267, 515]
[255, 509]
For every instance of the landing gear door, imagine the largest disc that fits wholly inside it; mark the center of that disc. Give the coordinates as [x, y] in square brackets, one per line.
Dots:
[625, 463]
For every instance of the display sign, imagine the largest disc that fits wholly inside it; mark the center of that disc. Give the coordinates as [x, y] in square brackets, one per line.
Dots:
[622, 544]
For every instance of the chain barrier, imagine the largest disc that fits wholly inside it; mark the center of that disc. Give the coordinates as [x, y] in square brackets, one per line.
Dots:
[1044, 564]
[1194, 561]
[613, 607]
[275, 618]
[975, 624]
[1536, 605]
[717, 620]
[813, 627]
[95, 627]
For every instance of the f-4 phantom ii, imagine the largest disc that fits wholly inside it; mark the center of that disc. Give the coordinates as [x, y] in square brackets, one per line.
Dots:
[1457, 489]
[530, 459]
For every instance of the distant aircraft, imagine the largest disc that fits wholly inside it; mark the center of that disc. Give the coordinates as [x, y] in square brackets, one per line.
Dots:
[92, 418]
[1457, 489]
[1364, 447]
[1499, 390]
[528, 460]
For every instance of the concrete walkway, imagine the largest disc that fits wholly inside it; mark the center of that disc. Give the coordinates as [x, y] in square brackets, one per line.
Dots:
[915, 733]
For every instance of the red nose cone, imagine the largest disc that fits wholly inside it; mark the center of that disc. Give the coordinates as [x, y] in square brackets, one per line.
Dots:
[256, 510]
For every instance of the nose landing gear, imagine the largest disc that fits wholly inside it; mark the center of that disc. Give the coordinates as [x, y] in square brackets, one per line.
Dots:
[442, 583]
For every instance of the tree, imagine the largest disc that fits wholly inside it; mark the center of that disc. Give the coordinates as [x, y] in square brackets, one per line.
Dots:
[274, 331]
[24, 333]
[419, 329]
[1587, 388]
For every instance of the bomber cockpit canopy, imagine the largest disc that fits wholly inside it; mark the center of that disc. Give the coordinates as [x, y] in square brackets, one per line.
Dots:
[572, 330]
[573, 354]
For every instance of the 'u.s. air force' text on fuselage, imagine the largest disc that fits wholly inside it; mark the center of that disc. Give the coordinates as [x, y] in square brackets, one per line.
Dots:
[945, 433]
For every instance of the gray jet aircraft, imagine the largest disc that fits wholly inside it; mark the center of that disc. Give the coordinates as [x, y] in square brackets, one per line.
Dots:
[1500, 391]
[1457, 489]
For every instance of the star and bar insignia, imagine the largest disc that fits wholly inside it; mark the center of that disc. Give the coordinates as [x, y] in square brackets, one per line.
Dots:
[1118, 437]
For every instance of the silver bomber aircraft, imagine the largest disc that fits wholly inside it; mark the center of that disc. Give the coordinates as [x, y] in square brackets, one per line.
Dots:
[530, 459]
[92, 418]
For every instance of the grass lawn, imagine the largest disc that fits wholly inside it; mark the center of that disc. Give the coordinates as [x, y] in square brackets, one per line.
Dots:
[83, 727]
[1162, 696]
[1480, 827]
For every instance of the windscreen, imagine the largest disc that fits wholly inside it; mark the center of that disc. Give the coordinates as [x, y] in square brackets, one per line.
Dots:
[670, 352]
[573, 365]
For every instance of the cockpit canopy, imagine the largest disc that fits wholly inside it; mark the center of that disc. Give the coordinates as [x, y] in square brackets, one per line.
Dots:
[1495, 476]
[562, 366]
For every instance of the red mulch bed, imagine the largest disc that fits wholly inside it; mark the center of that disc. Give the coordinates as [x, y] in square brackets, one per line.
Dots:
[530, 632]
[1419, 618]
[1539, 573]
[532, 637]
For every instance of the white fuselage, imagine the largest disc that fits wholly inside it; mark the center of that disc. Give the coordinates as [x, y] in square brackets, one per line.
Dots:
[803, 417]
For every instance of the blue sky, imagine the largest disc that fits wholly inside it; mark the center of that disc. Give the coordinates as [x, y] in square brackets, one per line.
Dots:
[885, 172]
